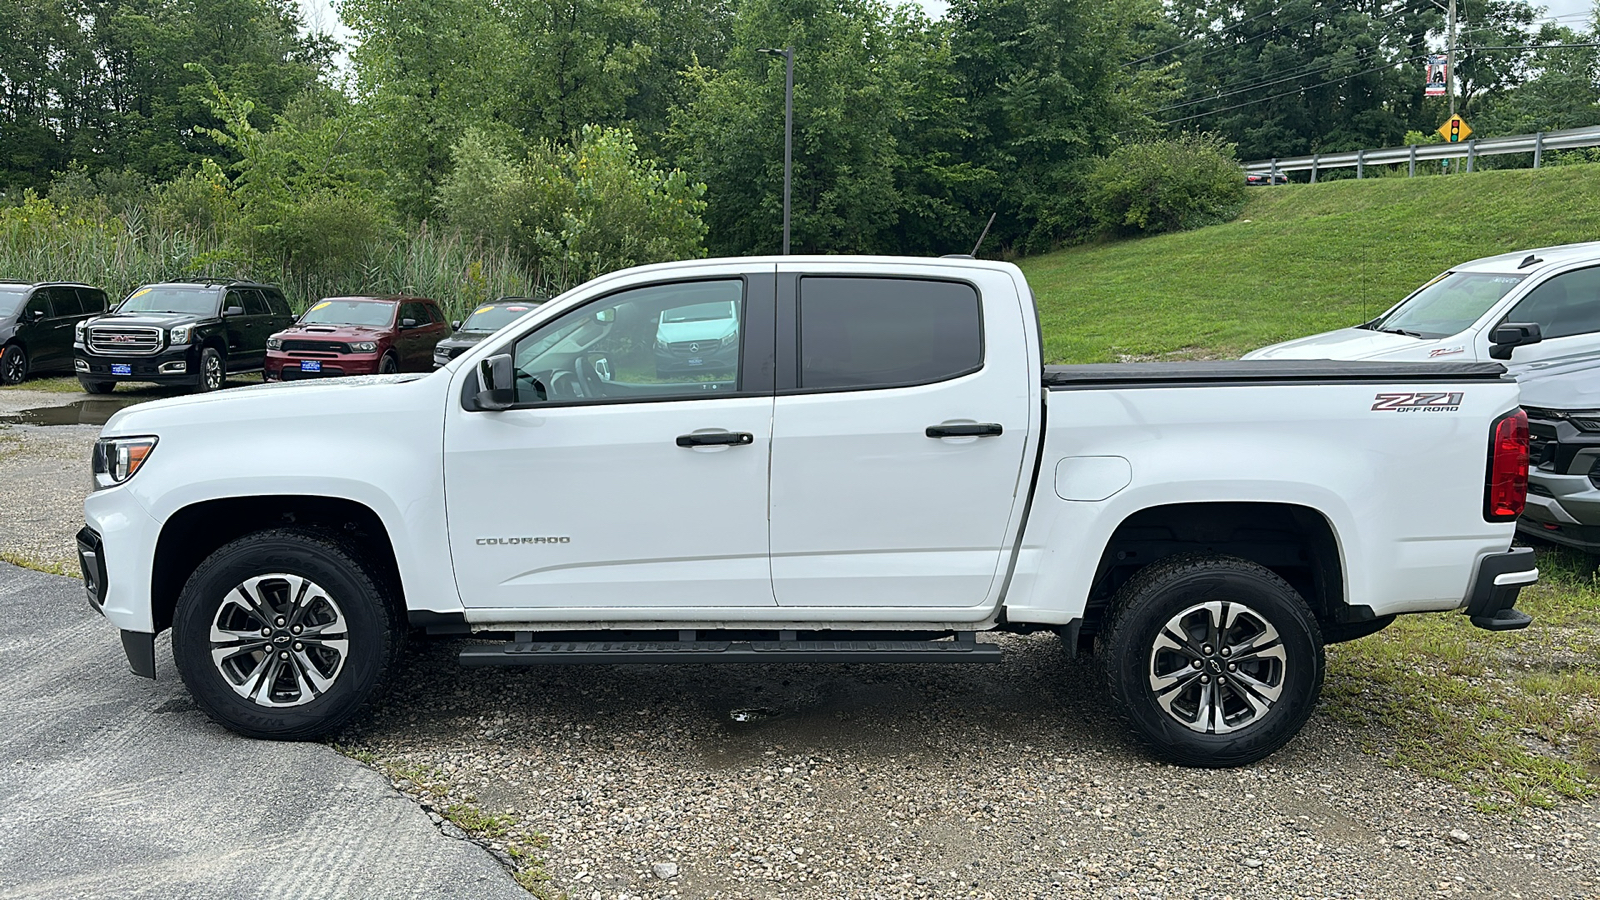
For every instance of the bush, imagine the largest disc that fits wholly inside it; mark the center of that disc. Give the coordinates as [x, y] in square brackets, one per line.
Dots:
[1173, 185]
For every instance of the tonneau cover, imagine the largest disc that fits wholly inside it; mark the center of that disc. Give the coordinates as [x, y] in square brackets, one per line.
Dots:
[1272, 371]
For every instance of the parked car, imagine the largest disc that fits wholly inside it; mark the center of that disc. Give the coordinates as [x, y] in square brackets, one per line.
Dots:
[1521, 307]
[702, 337]
[36, 325]
[1263, 178]
[357, 336]
[888, 471]
[1562, 401]
[193, 332]
[484, 321]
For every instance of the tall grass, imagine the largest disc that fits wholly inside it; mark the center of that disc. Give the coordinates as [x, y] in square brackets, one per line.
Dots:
[40, 241]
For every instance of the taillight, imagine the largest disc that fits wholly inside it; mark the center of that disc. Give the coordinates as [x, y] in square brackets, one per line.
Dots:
[1506, 489]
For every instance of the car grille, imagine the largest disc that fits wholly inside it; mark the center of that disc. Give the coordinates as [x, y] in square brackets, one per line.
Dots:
[705, 346]
[124, 340]
[316, 347]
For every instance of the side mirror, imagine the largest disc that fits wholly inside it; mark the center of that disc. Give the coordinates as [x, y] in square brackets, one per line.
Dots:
[38, 315]
[455, 324]
[1508, 336]
[408, 323]
[233, 311]
[495, 388]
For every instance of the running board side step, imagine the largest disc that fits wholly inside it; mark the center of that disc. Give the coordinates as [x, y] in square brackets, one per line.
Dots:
[543, 653]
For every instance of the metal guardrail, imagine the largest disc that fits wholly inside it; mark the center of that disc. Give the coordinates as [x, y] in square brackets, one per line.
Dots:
[1471, 149]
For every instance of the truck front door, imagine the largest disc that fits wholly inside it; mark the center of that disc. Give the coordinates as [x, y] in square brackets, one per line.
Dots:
[607, 486]
[899, 434]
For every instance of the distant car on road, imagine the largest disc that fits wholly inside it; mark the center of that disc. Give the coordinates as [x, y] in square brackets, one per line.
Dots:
[1261, 178]
[194, 332]
[1520, 308]
[1562, 401]
[36, 325]
[484, 321]
[357, 336]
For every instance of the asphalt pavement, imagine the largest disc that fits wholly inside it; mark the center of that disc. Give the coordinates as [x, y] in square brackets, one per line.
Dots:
[115, 786]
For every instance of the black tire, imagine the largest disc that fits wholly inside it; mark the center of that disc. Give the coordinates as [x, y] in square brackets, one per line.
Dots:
[276, 705]
[389, 365]
[13, 365]
[97, 387]
[213, 371]
[1184, 729]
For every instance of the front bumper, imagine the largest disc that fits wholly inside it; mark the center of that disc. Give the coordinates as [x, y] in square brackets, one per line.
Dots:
[285, 367]
[138, 646]
[1562, 509]
[1493, 595]
[174, 365]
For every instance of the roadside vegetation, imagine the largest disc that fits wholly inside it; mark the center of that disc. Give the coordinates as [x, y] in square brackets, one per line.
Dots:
[1298, 259]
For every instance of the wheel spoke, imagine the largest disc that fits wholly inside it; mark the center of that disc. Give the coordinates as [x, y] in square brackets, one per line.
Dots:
[279, 663]
[1173, 682]
[1217, 675]
[307, 670]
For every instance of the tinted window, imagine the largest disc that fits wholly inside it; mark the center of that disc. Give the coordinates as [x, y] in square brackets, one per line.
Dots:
[414, 312]
[39, 304]
[1563, 306]
[881, 332]
[435, 314]
[637, 345]
[91, 300]
[65, 301]
[276, 303]
[255, 304]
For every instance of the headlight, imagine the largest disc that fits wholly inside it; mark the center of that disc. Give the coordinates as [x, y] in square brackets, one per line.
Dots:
[274, 343]
[180, 335]
[441, 354]
[79, 330]
[118, 459]
[731, 339]
[364, 346]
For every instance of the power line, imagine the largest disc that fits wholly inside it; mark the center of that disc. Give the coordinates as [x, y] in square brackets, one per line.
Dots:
[1264, 84]
[1209, 34]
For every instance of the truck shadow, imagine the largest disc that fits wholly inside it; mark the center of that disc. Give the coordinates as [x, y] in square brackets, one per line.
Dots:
[731, 715]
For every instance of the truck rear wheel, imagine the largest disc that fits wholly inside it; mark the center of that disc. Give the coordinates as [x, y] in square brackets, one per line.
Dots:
[285, 635]
[1214, 661]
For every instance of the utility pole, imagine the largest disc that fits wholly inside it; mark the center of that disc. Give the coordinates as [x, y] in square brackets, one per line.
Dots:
[788, 128]
[1450, 60]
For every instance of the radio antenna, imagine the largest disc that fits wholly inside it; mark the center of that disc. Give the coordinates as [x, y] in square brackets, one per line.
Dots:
[974, 253]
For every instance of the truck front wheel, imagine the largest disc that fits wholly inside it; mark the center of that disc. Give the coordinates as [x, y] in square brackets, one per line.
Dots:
[1214, 661]
[285, 635]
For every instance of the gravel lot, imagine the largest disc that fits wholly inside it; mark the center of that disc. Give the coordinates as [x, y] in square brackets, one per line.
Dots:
[891, 781]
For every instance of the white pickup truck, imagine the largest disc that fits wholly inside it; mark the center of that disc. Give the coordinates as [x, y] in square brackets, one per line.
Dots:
[887, 472]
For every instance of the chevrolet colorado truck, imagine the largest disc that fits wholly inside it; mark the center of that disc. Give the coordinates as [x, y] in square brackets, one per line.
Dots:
[887, 472]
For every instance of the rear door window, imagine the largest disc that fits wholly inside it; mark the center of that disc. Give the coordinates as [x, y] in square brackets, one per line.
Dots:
[276, 303]
[92, 300]
[864, 333]
[255, 304]
[64, 300]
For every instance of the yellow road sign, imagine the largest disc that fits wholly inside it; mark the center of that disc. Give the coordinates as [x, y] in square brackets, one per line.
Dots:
[1455, 130]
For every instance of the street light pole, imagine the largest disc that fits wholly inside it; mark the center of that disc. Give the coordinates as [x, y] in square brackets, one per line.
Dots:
[788, 131]
[1450, 64]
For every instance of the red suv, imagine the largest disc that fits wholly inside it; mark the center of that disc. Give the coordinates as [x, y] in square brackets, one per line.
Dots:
[358, 336]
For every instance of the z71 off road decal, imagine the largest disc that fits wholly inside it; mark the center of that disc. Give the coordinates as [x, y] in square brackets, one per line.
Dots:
[1419, 402]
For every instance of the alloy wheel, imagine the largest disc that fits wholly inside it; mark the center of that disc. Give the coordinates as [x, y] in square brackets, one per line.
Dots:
[279, 640]
[1217, 667]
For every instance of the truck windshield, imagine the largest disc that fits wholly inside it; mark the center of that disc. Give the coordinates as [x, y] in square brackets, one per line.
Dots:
[10, 299]
[1448, 304]
[699, 312]
[494, 318]
[376, 313]
[191, 301]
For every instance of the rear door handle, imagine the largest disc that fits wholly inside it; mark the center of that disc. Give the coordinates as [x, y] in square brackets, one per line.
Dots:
[715, 438]
[982, 429]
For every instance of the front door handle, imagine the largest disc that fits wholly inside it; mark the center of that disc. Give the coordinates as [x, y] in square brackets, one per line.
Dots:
[716, 438]
[982, 429]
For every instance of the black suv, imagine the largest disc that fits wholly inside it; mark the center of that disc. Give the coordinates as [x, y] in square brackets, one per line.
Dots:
[193, 332]
[36, 324]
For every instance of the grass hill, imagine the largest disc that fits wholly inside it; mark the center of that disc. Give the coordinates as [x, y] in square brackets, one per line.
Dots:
[1298, 260]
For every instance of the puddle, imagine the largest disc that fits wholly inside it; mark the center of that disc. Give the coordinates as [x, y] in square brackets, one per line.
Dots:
[88, 411]
[757, 714]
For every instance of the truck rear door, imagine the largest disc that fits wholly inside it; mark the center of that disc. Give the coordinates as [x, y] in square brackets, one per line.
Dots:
[899, 435]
